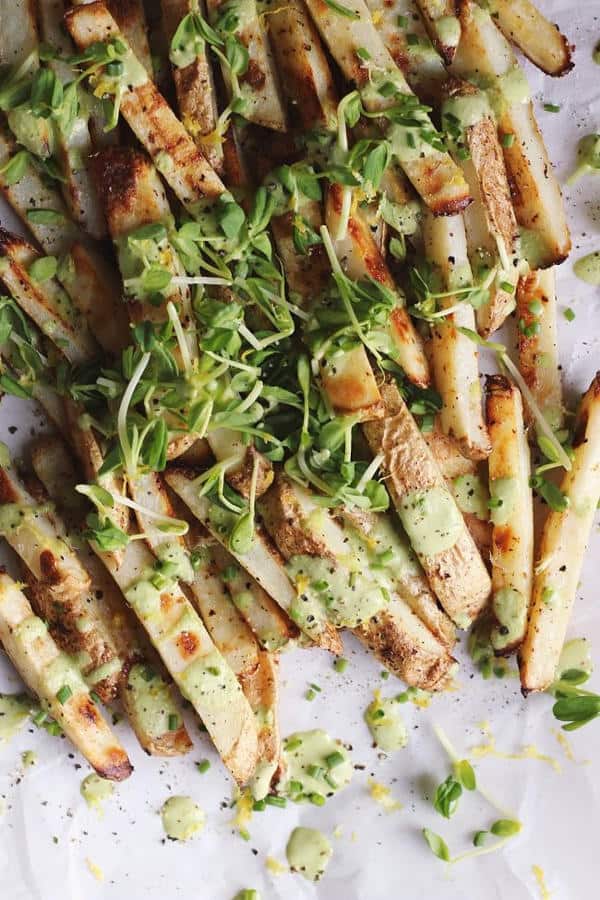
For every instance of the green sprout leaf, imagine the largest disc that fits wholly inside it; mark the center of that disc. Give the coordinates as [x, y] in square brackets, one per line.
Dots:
[437, 845]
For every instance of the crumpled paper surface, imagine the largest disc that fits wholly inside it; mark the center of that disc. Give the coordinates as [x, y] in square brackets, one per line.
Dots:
[51, 844]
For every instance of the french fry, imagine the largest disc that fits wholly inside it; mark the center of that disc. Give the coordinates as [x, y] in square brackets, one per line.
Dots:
[150, 117]
[74, 144]
[433, 174]
[44, 301]
[405, 36]
[185, 647]
[195, 87]
[259, 85]
[454, 355]
[378, 533]
[536, 193]
[512, 517]
[131, 18]
[406, 647]
[20, 35]
[88, 279]
[443, 25]
[263, 561]
[562, 548]
[541, 41]
[145, 691]
[348, 379]
[319, 550]
[537, 343]
[32, 192]
[52, 676]
[490, 222]
[31, 534]
[271, 626]
[359, 256]
[304, 72]
[450, 560]
[255, 669]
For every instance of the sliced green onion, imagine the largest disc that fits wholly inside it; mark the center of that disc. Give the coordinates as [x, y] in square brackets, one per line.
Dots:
[63, 694]
[203, 766]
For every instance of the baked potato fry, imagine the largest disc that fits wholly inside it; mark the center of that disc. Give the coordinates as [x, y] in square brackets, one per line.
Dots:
[52, 676]
[306, 78]
[44, 301]
[263, 561]
[147, 695]
[405, 36]
[540, 40]
[259, 87]
[185, 169]
[360, 257]
[433, 174]
[30, 532]
[537, 343]
[20, 35]
[454, 355]
[73, 143]
[428, 512]
[185, 647]
[562, 548]
[194, 85]
[512, 513]
[537, 199]
[443, 25]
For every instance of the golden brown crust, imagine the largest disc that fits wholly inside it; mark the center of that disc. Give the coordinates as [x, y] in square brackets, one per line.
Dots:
[283, 517]
[486, 153]
[458, 575]
[241, 479]
[149, 116]
[403, 655]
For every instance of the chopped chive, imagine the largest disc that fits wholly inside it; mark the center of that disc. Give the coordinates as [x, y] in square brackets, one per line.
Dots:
[315, 771]
[203, 766]
[412, 40]
[495, 502]
[244, 834]
[214, 670]
[363, 54]
[384, 674]
[377, 714]
[148, 673]
[402, 21]
[45, 217]
[274, 800]
[293, 743]
[508, 139]
[340, 664]
[315, 687]
[463, 153]
[39, 718]
[552, 107]
[63, 694]
[479, 838]
[334, 759]
[94, 696]
[320, 585]
[331, 782]
[401, 698]
[173, 722]
[317, 799]
[296, 787]
[114, 68]
[507, 286]
[569, 314]
[536, 307]
[259, 805]
[54, 729]
[310, 695]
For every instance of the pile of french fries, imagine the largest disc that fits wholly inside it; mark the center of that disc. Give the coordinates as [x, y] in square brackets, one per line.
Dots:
[201, 114]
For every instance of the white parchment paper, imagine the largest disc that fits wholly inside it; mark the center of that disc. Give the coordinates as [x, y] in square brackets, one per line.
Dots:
[49, 838]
